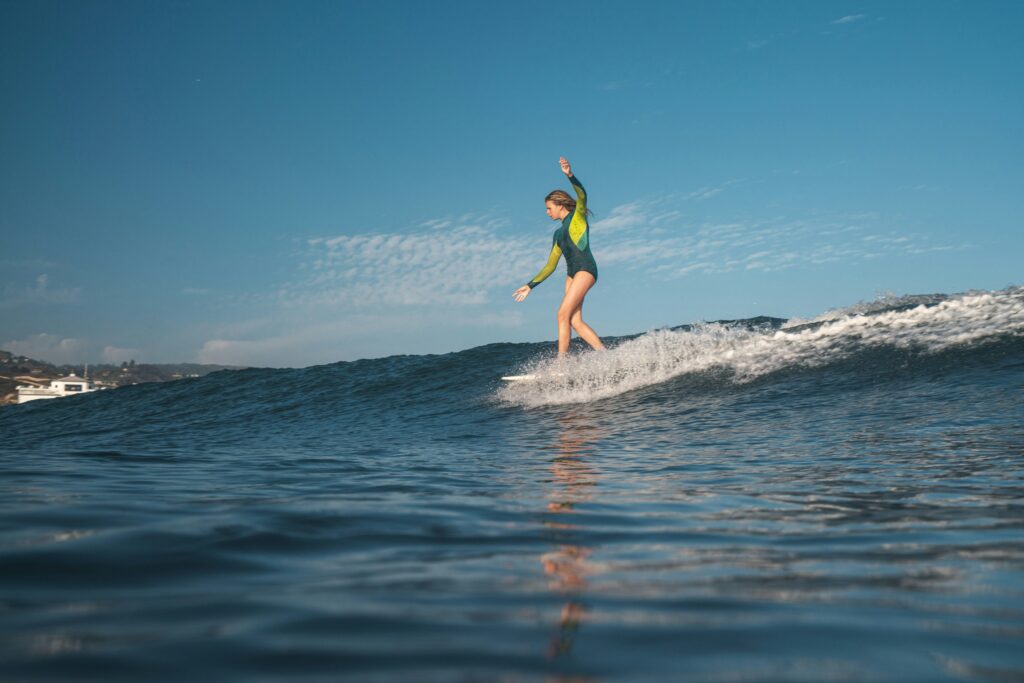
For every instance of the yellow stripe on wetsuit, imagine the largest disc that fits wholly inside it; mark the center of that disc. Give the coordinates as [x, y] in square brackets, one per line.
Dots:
[578, 226]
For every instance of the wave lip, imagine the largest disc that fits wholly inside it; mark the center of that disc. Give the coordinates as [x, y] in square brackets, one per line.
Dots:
[748, 353]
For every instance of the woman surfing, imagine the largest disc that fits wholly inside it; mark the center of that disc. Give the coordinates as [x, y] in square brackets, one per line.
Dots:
[572, 238]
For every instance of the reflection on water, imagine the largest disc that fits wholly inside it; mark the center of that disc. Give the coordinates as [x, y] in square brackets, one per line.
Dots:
[574, 481]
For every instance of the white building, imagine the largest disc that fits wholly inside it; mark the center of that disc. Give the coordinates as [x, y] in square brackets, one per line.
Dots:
[71, 385]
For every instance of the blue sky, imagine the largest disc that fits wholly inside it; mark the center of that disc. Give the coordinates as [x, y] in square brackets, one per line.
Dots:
[285, 184]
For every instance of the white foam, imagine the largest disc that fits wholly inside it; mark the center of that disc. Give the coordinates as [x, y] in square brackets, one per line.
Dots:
[661, 355]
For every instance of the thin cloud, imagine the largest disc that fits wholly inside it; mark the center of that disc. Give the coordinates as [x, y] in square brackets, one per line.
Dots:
[61, 350]
[667, 216]
[457, 265]
[52, 348]
[705, 193]
[677, 249]
[623, 217]
[38, 294]
[848, 19]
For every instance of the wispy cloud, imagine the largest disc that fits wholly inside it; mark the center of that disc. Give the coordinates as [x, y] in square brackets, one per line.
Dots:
[848, 19]
[467, 261]
[677, 248]
[623, 217]
[785, 37]
[51, 348]
[705, 193]
[446, 262]
[39, 293]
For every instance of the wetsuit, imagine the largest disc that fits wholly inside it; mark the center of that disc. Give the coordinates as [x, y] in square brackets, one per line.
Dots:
[572, 238]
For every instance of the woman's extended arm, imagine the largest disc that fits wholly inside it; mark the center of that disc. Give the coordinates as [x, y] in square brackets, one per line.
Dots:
[549, 267]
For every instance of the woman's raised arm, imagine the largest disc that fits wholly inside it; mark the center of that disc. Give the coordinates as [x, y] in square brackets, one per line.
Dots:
[581, 194]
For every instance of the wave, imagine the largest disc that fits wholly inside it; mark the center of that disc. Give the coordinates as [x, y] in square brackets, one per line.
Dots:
[397, 392]
[743, 352]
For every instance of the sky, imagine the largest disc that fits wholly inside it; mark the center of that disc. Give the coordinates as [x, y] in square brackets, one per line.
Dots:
[287, 184]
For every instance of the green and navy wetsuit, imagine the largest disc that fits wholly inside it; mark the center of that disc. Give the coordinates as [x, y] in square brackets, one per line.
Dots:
[572, 238]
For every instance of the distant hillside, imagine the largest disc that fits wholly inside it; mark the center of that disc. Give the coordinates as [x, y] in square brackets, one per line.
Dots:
[20, 370]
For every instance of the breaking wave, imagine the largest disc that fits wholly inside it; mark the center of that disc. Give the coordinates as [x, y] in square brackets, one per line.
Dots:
[742, 351]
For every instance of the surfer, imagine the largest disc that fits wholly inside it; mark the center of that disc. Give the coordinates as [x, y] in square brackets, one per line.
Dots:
[572, 238]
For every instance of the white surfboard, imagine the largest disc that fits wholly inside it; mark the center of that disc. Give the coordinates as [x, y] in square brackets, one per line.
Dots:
[534, 377]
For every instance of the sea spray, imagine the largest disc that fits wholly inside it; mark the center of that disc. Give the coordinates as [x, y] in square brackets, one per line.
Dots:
[743, 353]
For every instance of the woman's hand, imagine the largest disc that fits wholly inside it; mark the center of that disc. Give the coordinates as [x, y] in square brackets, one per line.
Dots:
[522, 293]
[566, 169]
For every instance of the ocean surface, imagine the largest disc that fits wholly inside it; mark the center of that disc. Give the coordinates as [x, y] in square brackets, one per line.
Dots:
[839, 499]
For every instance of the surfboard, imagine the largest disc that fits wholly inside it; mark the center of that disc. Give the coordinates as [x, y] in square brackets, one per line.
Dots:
[534, 377]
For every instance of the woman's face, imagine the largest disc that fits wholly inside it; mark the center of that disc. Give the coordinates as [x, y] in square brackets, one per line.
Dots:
[555, 212]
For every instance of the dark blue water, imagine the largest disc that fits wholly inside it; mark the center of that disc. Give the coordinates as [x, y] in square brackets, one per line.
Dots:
[763, 501]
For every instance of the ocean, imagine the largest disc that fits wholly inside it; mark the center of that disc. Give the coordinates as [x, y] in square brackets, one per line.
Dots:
[838, 499]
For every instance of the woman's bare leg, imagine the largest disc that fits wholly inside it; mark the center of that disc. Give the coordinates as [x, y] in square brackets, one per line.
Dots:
[572, 306]
[568, 281]
[585, 331]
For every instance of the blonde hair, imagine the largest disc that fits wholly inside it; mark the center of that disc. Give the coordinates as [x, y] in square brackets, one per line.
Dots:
[562, 198]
